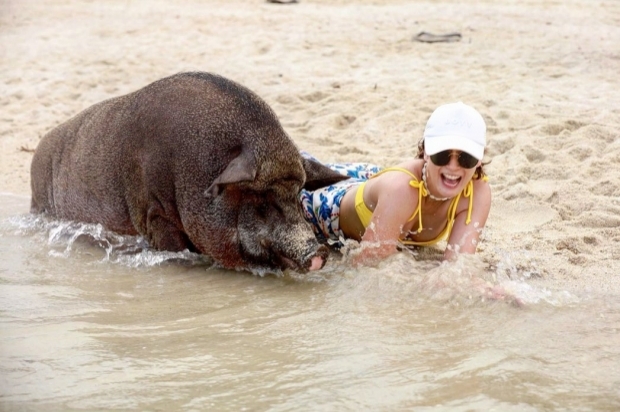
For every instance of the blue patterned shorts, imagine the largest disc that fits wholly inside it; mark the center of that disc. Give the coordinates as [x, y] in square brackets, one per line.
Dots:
[321, 207]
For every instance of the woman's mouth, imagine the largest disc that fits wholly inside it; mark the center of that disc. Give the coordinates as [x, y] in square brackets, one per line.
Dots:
[451, 181]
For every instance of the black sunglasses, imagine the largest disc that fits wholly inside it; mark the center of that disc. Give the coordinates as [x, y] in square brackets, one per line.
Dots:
[465, 160]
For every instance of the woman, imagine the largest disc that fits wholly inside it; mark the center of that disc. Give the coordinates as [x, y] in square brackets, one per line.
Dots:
[442, 193]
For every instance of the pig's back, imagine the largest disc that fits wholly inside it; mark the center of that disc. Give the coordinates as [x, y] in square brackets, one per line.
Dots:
[78, 167]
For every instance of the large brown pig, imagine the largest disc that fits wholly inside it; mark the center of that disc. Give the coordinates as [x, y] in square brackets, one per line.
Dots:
[192, 161]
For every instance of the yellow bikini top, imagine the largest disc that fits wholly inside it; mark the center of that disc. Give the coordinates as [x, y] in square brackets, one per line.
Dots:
[365, 214]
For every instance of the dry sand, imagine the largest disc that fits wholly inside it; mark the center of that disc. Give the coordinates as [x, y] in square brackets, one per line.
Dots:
[350, 84]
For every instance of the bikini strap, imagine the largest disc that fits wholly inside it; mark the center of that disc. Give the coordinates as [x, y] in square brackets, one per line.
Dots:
[422, 192]
[395, 169]
[468, 192]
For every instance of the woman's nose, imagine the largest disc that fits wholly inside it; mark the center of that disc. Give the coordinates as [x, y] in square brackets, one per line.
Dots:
[454, 159]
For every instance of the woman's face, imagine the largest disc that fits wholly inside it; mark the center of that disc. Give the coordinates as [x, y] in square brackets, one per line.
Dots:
[450, 179]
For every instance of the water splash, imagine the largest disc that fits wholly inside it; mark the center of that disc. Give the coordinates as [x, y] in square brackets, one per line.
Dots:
[470, 280]
[413, 274]
[66, 239]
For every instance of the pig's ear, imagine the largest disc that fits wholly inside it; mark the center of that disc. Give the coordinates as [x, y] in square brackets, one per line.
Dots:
[318, 175]
[241, 169]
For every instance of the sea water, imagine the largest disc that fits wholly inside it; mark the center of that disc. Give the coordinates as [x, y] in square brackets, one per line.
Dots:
[93, 320]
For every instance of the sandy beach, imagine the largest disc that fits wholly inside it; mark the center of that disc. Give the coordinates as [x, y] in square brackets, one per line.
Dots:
[349, 83]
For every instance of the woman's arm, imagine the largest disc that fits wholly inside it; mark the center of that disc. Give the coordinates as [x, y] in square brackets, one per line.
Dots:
[464, 238]
[395, 202]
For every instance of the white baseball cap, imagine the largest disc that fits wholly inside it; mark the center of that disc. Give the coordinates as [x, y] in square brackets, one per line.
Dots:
[455, 126]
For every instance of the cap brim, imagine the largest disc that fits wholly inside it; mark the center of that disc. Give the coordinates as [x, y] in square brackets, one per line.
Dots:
[438, 144]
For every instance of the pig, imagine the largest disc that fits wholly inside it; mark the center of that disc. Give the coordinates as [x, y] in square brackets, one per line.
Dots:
[192, 161]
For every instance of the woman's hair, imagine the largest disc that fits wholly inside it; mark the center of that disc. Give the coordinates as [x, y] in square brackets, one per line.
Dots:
[478, 174]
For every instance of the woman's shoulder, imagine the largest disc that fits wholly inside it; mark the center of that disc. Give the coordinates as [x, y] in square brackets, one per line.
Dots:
[481, 186]
[408, 169]
[481, 192]
[398, 178]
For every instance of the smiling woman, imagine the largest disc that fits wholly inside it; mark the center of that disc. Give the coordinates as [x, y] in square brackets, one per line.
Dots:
[418, 202]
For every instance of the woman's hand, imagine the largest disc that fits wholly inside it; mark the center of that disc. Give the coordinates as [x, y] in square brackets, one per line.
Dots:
[371, 253]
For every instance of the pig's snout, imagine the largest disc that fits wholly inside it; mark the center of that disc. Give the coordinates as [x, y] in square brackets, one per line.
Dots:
[313, 258]
[316, 263]
[317, 258]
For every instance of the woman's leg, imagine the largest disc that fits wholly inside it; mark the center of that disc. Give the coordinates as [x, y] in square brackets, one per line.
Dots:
[357, 170]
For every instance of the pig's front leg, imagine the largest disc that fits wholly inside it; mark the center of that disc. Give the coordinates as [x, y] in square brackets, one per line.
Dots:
[163, 234]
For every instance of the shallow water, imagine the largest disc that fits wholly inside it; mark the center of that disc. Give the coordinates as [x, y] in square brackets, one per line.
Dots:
[93, 321]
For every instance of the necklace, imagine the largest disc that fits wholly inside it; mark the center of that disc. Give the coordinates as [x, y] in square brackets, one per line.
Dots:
[439, 199]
